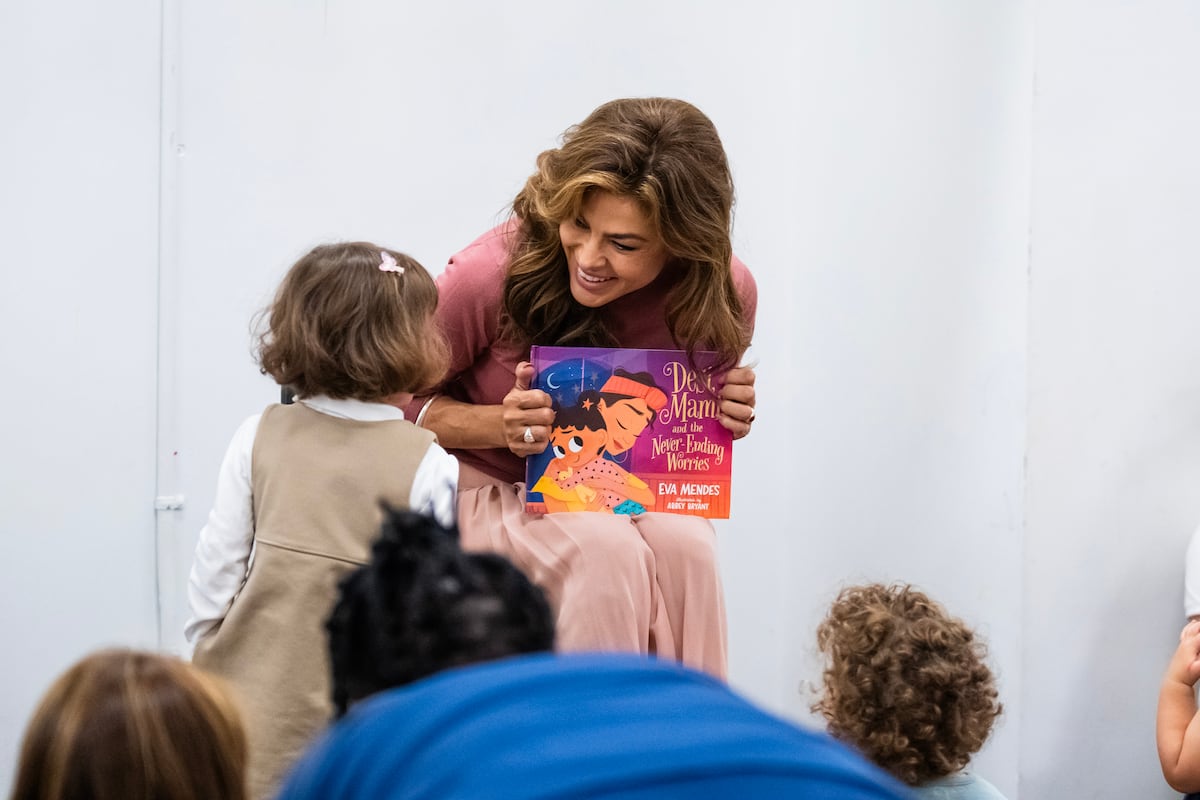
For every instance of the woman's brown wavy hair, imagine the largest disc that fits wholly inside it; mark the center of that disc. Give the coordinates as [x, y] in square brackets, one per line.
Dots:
[905, 683]
[340, 326]
[129, 725]
[667, 156]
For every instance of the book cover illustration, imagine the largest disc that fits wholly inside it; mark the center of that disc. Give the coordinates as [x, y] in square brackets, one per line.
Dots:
[634, 431]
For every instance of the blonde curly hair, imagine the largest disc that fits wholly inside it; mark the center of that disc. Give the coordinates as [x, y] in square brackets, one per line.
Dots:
[905, 683]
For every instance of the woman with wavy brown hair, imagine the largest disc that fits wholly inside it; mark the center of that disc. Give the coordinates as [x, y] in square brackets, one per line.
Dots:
[908, 685]
[620, 238]
[129, 725]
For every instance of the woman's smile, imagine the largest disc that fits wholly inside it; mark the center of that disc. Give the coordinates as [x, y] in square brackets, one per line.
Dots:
[594, 280]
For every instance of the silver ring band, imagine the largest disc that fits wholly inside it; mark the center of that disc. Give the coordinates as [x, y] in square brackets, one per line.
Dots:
[528, 437]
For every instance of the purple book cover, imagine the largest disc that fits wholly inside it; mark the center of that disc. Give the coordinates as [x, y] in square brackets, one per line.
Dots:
[634, 431]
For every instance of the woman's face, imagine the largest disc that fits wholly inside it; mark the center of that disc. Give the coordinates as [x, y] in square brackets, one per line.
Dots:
[625, 420]
[612, 249]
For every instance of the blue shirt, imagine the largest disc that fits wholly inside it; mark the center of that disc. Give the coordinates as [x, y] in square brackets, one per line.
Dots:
[959, 786]
[595, 725]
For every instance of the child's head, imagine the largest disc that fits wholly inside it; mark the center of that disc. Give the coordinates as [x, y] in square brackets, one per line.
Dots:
[353, 321]
[422, 605]
[127, 725]
[905, 682]
[578, 435]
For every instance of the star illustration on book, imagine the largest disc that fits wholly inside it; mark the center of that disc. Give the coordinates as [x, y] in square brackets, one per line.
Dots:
[587, 404]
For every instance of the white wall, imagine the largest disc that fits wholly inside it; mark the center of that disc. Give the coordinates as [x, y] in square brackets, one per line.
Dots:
[892, 247]
[79, 86]
[1114, 405]
[959, 276]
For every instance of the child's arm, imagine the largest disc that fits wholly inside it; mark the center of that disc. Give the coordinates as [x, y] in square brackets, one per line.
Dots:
[555, 497]
[435, 486]
[223, 551]
[1178, 726]
[608, 476]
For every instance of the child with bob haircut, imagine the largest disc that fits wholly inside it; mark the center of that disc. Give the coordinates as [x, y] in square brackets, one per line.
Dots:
[907, 684]
[298, 496]
[127, 725]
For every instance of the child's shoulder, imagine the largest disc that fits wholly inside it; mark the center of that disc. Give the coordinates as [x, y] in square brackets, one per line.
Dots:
[248, 427]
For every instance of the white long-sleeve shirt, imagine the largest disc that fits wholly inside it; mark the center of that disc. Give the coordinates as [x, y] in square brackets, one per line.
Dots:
[227, 540]
[1191, 577]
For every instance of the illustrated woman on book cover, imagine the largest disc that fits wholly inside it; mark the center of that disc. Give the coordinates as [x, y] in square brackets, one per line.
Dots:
[620, 238]
[628, 403]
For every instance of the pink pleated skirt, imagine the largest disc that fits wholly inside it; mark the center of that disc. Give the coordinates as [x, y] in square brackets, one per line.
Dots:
[643, 584]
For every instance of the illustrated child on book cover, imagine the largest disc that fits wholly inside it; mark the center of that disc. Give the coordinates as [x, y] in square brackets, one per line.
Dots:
[579, 478]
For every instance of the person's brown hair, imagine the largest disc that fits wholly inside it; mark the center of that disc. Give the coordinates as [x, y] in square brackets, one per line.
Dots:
[905, 683]
[667, 156]
[341, 326]
[128, 725]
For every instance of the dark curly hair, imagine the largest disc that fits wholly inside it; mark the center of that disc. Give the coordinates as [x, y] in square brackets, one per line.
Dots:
[905, 683]
[423, 605]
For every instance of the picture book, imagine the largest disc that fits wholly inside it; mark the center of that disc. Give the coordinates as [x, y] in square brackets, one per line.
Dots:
[634, 431]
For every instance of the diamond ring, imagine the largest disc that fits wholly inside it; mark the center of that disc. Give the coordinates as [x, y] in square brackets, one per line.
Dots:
[528, 437]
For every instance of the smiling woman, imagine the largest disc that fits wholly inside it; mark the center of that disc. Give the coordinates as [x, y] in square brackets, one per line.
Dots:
[620, 238]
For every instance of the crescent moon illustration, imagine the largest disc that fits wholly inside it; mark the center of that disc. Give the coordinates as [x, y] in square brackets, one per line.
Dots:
[550, 380]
